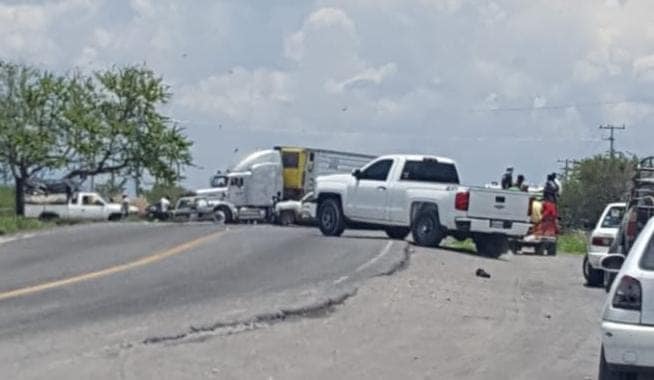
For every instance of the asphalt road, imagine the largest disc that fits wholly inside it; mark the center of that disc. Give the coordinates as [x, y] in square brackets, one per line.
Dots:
[134, 301]
[69, 292]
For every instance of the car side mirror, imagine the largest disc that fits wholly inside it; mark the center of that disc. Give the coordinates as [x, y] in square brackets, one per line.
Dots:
[356, 173]
[612, 263]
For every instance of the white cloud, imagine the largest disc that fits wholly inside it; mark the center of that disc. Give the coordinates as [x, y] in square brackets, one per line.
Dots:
[370, 75]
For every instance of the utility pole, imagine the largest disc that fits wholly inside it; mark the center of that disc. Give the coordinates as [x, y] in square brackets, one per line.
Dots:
[611, 139]
[568, 166]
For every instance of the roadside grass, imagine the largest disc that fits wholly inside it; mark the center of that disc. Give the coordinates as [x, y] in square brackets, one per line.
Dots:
[13, 224]
[571, 242]
[465, 245]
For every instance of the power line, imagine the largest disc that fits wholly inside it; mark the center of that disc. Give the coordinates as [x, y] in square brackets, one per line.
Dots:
[611, 139]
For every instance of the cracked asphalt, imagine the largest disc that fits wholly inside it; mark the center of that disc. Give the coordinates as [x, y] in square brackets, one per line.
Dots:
[99, 291]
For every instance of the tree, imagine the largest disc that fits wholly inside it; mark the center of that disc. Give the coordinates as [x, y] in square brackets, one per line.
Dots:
[106, 123]
[593, 184]
[31, 107]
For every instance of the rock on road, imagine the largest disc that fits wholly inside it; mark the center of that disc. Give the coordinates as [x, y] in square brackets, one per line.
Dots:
[533, 319]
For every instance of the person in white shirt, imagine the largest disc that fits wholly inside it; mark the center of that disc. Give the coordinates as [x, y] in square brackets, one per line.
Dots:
[164, 204]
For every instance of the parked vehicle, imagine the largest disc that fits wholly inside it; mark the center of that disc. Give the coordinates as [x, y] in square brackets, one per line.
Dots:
[599, 242]
[266, 177]
[639, 210]
[422, 195]
[628, 317]
[302, 211]
[197, 208]
[82, 205]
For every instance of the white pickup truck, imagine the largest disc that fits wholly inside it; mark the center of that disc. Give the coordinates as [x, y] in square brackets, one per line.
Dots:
[86, 206]
[422, 195]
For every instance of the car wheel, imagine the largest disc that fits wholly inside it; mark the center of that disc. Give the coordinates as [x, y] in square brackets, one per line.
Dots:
[605, 372]
[426, 229]
[398, 233]
[594, 277]
[491, 245]
[330, 218]
[286, 218]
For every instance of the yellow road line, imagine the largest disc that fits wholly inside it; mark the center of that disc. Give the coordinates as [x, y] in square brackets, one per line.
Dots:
[176, 250]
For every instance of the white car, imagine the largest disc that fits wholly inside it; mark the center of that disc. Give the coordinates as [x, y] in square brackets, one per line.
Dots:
[600, 241]
[628, 318]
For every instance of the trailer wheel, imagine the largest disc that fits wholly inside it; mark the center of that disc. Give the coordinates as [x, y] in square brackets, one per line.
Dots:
[551, 249]
[491, 245]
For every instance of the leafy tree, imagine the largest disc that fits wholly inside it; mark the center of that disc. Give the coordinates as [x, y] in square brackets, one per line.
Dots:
[106, 123]
[593, 184]
[169, 190]
[31, 108]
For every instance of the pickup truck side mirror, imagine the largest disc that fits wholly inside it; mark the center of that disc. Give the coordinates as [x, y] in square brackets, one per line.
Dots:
[356, 173]
[612, 263]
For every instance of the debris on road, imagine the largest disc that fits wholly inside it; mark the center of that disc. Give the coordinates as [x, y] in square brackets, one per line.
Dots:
[482, 273]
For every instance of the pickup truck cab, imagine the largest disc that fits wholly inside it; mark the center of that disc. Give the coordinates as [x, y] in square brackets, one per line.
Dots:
[83, 206]
[417, 194]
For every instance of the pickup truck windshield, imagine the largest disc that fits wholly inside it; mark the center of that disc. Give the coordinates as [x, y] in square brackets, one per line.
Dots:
[430, 171]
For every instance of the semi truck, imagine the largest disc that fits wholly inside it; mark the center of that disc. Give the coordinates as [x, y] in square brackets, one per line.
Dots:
[249, 190]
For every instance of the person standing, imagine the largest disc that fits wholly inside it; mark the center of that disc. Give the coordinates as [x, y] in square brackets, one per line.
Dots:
[519, 184]
[549, 225]
[507, 179]
[125, 205]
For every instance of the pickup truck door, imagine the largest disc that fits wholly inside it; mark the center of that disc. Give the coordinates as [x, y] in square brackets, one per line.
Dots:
[368, 195]
[91, 207]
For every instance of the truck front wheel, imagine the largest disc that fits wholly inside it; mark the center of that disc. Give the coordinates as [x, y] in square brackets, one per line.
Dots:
[426, 229]
[330, 218]
[491, 245]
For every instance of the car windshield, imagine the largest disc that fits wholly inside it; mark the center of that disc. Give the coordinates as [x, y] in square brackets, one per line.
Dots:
[613, 217]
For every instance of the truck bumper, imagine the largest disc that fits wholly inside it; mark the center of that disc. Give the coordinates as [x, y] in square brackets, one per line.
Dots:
[486, 226]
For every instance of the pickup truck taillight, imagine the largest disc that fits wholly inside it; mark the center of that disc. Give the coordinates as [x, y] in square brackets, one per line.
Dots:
[462, 201]
[602, 241]
[628, 295]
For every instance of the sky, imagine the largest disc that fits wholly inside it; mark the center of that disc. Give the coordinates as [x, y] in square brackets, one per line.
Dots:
[490, 84]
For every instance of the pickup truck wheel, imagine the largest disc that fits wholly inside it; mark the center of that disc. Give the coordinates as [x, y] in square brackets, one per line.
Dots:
[491, 245]
[115, 217]
[426, 229]
[551, 249]
[398, 233]
[594, 277]
[330, 218]
[48, 217]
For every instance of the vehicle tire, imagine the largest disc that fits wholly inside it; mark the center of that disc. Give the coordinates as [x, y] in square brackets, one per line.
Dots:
[286, 218]
[491, 245]
[608, 280]
[229, 217]
[426, 229]
[551, 249]
[331, 220]
[594, 277]
[539, 249]
[218, 216]
[398, 233]
[48, 217]
[514, 247]
[605, 372]
[115, 217]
